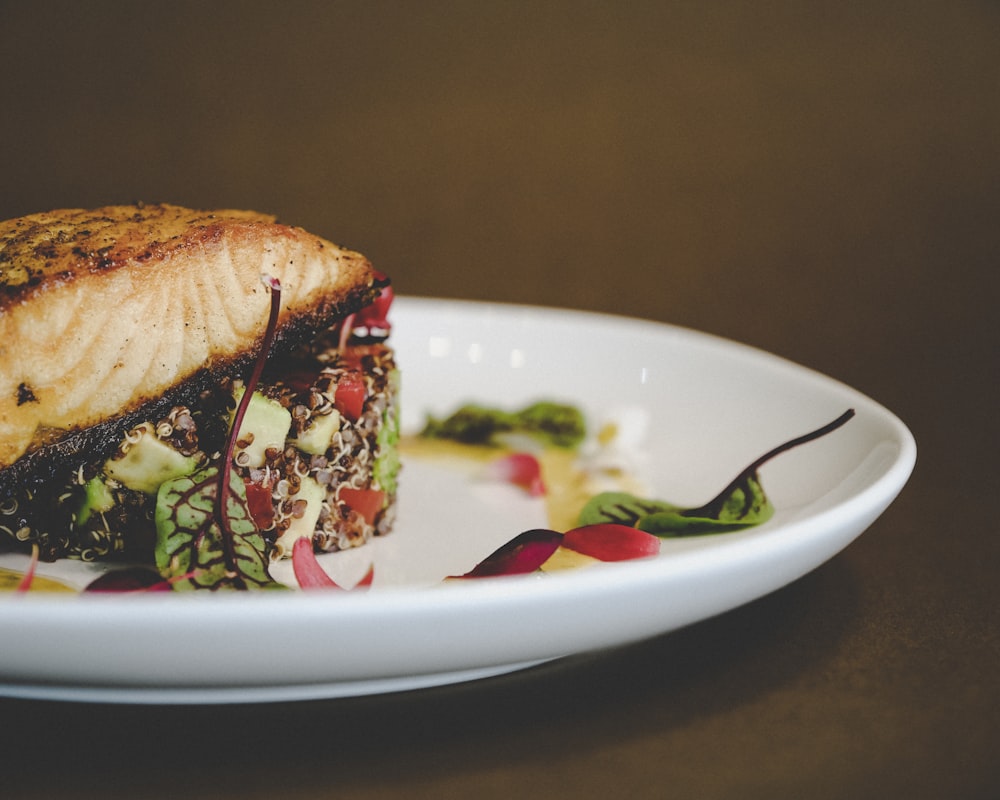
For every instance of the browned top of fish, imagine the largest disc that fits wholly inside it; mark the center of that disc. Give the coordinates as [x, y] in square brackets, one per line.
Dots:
[53, 247]
[104, 310]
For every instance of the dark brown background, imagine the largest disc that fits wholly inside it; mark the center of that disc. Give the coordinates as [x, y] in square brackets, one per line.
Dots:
[820, 180]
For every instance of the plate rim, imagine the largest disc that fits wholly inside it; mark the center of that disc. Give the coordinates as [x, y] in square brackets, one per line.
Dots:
[870, 501]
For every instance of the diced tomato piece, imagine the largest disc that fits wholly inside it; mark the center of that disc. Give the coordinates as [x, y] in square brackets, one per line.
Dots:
[367, 502]
[260, 505]
[349, 398]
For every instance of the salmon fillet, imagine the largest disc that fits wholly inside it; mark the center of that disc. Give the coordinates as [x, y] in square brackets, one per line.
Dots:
[103, 311]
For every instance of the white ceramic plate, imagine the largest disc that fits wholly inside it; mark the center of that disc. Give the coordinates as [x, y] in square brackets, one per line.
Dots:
[713, 405]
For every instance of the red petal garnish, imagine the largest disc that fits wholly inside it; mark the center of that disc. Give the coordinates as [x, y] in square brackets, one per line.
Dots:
[523, 554]
[610, 542]
[25, 583]
[521, 469]
[308, 572]
[311, 575]
[366, 581]
[376, 313]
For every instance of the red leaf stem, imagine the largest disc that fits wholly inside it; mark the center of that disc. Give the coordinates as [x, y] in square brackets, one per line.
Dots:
[29, 575]
[222, 493]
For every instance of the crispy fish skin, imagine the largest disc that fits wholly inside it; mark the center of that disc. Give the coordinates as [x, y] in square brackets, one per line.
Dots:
[104, 311]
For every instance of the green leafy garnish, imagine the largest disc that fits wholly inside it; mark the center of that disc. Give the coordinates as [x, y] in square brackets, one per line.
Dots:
[191, 545]
[556, 423]
[666, 519]
[385, 470]
[552, 423]
[741, 504]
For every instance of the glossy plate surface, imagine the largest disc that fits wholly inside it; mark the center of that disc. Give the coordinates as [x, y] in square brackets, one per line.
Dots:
[713, 406]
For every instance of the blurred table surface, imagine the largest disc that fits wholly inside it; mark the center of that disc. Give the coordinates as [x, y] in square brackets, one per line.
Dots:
[818, 180]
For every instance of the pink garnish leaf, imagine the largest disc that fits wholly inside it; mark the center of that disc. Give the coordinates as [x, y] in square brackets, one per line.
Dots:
[308, 572]
[374, 318]
[29, 575]
[367, 580]
[524, 553]
[611, 542]
[520, 469]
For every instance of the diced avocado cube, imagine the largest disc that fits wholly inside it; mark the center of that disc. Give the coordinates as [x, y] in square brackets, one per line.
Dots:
[97, 498]
[266, 422]
[148, 462]
[315, 439]
[304, 526]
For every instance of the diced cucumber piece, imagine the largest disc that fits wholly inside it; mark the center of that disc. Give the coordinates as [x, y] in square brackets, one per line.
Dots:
[315, 439]
[267, 422]
[148, 463]
[304, 526]
[97, 498]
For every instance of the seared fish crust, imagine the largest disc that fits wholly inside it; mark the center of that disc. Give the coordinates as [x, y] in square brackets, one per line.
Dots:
[107, 311]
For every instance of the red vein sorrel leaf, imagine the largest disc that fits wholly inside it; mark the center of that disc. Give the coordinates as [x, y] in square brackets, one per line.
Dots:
[222, 492]
[742, 504]
[190, 542]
